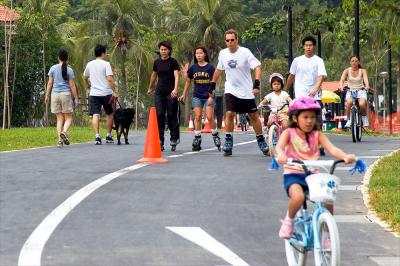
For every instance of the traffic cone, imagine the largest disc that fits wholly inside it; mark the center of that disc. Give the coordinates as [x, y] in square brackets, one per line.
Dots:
[207, 127]
[152, 147]
[191, 125]
[340, 125]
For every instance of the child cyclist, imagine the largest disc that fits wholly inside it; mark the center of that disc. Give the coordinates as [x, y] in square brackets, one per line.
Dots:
[277, 98]
[301, 141]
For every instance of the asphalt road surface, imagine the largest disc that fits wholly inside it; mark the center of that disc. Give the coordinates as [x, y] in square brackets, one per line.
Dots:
[87, 205]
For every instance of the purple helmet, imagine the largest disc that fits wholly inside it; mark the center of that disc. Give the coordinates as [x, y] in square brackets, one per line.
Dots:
[304, 103]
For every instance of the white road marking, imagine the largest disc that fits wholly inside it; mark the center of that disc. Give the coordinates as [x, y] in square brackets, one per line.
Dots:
[369, 157]
[382, 150]
[386, 261]
[31, 252]
[204, 240]
[358, 219]
[350, 187]
[343, 168]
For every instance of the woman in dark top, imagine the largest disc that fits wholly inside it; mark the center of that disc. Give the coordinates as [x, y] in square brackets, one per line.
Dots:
[166, 70]
[201, 72]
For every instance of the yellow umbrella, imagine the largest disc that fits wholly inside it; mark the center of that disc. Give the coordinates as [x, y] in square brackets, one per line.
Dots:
[330, 97]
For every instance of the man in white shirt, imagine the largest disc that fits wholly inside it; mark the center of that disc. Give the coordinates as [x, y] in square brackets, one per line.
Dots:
[99, 78]
[237, 63]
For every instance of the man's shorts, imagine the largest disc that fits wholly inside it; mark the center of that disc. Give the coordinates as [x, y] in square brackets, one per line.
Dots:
[295, 178]
[61, 102]
[361, 94]
[198, 102]
[238, 105]
[96, 102]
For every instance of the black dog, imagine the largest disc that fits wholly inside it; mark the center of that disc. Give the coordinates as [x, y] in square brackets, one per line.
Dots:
[123, 118]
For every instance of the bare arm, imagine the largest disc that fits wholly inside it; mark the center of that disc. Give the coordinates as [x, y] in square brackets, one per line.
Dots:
[289, 82]
[257, 76]
[289, 100]
[87, 81]
[317, 86]
[112, 84]
[280, 147]
[217, 74]
[342, 79]
[48, 90]
[335, 151]
[174, 92]
[365, 77]
[185, 89]
[153, 78]
[74, 91]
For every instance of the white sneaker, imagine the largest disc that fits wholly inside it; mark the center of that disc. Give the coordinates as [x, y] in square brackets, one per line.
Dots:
[365, 121]
[348, 124]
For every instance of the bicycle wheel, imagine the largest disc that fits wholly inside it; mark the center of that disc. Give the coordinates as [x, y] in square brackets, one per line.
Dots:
[295, 255]
[359, 127]
[272, 137]
[354, 122]
[328, 237]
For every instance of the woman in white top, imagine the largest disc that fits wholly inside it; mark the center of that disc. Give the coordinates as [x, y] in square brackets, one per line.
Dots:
[357, 80]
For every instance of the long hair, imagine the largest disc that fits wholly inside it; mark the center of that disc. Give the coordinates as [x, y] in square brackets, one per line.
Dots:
[359, 61]
[63, 56]
[204, 51]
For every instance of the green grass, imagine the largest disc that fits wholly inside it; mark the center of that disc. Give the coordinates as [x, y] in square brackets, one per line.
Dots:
[365, 133]
[25, 138]
[384, 190]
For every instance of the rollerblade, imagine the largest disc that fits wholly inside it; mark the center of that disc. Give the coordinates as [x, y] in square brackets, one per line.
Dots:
[173, 144]
[228, 146]
[262, 145]
[196, 145]
[217, 140]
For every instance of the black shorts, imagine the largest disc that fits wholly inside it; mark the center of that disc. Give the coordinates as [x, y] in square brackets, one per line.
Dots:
[238, 105]
[96, 102]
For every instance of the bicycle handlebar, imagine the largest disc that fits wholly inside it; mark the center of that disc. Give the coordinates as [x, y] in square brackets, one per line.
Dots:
[269, 106]
[358, 166]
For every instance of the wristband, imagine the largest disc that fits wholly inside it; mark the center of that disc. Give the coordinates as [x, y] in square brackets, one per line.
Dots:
[212, 88]
[256, 84]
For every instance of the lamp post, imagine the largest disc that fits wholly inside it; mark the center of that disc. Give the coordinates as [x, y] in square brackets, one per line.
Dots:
[356, 28]
[290, 54]
[383, 76]
[390, 87]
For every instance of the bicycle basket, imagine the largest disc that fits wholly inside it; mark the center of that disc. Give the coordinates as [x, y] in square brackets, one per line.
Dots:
[323, 187]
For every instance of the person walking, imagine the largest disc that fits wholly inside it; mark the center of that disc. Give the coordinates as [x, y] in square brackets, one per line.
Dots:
[99, 79]
[166, 72]
[240, 91]
[201, 72]
[357, 80]
[308, 72]
[64, 96]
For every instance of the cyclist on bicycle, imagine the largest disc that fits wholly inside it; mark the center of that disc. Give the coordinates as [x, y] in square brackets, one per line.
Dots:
[357, 80]
[277, 98]
[301, 141]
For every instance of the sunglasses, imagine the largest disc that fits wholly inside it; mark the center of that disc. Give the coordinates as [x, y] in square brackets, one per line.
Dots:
[230, 40]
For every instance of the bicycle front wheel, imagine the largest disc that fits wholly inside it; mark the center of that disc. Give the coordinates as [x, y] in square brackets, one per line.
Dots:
[359, 127]
[354, 124]
[295, 255]
[328, 237]
[272, 139]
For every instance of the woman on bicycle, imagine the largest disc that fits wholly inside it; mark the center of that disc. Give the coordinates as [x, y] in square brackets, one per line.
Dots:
[277, 98]
[357, 80]
[201, 72]
[301, 141]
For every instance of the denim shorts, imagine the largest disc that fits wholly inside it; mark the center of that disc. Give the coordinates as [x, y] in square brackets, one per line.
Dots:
[295, 178]
[198, 102]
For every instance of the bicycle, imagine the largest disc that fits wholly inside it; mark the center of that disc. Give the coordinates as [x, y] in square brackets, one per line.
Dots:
[317, 230]
[273, 132]
[356, 119]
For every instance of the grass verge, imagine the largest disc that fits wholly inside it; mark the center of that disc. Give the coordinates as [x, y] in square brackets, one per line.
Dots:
[384, 190]
[365, 133]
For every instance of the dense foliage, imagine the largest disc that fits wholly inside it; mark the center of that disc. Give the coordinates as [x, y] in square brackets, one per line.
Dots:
[131, 30]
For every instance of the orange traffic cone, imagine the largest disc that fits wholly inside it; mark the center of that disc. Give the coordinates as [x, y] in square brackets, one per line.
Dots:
[207, 127]
[340, 125]
[191, 125]
[152, 147]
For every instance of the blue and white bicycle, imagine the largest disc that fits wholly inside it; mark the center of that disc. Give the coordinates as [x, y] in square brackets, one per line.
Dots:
[317, 230]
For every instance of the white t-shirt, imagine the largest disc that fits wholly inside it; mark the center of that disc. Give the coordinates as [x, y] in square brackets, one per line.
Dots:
[97, 72]
[306, 71]
[277, 100]
[237, 67]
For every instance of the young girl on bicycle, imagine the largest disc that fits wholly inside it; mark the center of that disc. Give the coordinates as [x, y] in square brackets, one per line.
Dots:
[277, 98]
[301, 141]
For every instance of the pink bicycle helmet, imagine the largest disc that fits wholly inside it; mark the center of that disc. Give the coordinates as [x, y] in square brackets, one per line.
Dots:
[278, 75]
[304, 103]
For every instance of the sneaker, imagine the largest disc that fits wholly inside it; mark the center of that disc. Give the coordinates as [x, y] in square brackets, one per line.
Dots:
[286, 229]
[262, 144]
[196, 145]
[60, 144]
[64, 138]
[228, 145]
[365, 121]
[98, 141]
[348, 124]
[109, 139]
[217, 140]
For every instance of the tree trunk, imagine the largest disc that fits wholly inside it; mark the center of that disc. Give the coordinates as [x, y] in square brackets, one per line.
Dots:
[123, 80]
[398, 83]
[138, 66]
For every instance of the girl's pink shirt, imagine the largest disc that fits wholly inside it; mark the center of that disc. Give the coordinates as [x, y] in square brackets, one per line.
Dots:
[298, 148]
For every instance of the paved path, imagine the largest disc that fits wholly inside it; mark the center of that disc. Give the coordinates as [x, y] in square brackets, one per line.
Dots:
[198, 209]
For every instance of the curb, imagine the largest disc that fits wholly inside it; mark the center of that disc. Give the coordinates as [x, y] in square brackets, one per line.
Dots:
[364, 190]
